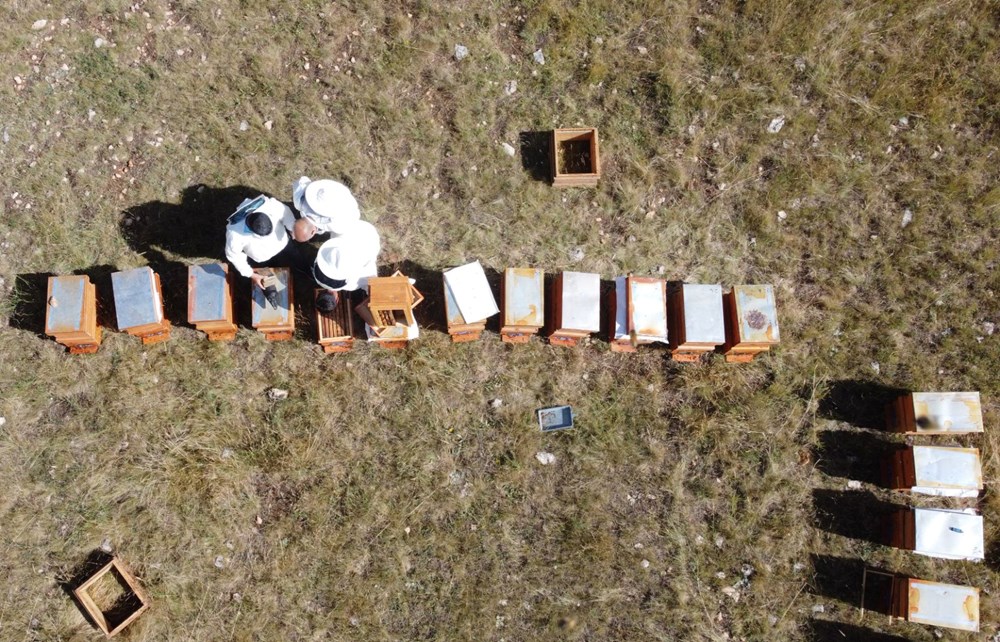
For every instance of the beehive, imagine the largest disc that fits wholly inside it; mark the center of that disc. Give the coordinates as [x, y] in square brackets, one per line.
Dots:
[946, 534]
[751, 319]
[458, 328]
[935, 470]
[388, 311]
[522, 296]
[696, 317]
[935, 413]
[210, 301]
[574, 156]
[139, 304]
[335, 329]
[112, 610]
[468, 301]
[637, 313]
[71, 313]
[949, 606]
[276, 324]
[576, 307]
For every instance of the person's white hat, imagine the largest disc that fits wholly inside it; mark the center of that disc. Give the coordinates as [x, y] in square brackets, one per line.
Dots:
[334, 202]
[344, 260]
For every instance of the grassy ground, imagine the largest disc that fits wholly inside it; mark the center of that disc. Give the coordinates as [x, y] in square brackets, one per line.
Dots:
[385, 499]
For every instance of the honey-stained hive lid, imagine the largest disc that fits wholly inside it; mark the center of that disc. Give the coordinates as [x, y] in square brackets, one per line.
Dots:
[756, 313]
[947, 471]
[471, 292]
[947, 412]
[136, 300]
[703, 321]
[581, 301]
[263, 313]
[64, 307]
[946, 605]
[648, 309]
[207, 287]
[948, 534]
[523, 297]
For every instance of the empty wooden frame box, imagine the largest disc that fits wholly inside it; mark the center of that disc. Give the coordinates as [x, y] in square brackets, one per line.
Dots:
[522, 296]
[575, 157]
[935, 470]
[71, 313]
[697, 321]
[946, 534]
[751, 322]
[637, 313]
[949, 606]
[336, 327]
[210, 301]
[139, 304]
[576, 307]
[388, 310]
[275, 323]
[112, 597]
[935, 413]
[468, 302]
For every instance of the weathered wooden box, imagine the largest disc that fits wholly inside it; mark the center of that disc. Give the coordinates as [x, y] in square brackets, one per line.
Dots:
[751, 322]
[905, 598]
[575, 157]
[139, 304]
[388, 311]
[637, 313]
[210, 301]
[522, 295]
[71, 313]
[335, 329]
[935, 413]
[935, 470]
[112, 597]
[697, 320]
[576, 307]
[276, 324]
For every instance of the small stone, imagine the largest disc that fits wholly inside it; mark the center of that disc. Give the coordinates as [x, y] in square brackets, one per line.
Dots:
[268, 124]
[661, 269]
[904, 121]
[576, 254]
[938, 633]
[538, 57]
[38, 25]
[509, 149]
[720, 575]
[650, 215]
[876, 367]
[244, 125]
[732, 593]
[853, 484]
[3, 421]
[106, 545]
[988, 327]
[100, 42]
[277, 394]
[644, 563]
[90, 115]
[510, 87]
[719, 541]
[782, 215]
[776, 124]
[179, 52]
[461, 52]
[798, 567]
[35, 624]
[800, 64]
[642, 50]
[6, 136]
[772, 619]
[219, 561]
[354, 621]
[236, 597]
[818, 608]
[496, 403]
[227, 453]
[907, 217]
[598, 40]
[545, 458]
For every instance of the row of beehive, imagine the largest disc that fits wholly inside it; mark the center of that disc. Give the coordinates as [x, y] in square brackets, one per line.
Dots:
[693, 319]
[941, 533]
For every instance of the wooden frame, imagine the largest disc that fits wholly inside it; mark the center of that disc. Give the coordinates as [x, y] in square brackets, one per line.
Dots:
[335, 329]
[95, 612]
[75, 325]
[562, 175]
[632, 338]
[223, 326]
[274, 326]
[395, 297]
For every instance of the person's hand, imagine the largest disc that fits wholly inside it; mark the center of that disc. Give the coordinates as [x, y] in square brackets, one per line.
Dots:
[258, 280]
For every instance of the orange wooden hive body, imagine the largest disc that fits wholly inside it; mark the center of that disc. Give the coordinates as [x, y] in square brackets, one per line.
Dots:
[71, 313]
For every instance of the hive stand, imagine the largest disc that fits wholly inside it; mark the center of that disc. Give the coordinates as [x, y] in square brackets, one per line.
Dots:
[458, 329]
[522, 295]
[113, 618]
[71, 313]
[696, 317]
[637, 313]
[934, 470]
[576, 307]
[904, 598]
[574, 157]
[275, 324]
[388, 310]
[210, 301]
[751, 322]
[139, 304]
[335, 328]
[935, 413]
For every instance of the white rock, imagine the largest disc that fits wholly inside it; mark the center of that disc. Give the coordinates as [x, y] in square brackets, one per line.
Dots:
[800, 64]
[598, 40]
[988, 327]
[876, 367]
[576, 254]
[100, 42]
[904, 121]
[545, 458]
[496, 403]
[106, 545]
[721, 575]
[277, 394]
[268, 124]
[642, 50]
[38, 25]
[509, 149]
[907, 217]
[818, 608]
[538, 57]
[853, 484]
[6, 136]
[3, 421]
[731, 592]
[644, 563]
[782, 215]
[227, 453]
[90, 115]
[772, 619]
[219, 561]
[798, 567]
[719, 541]
[461, 52]
[510, 87]
[244, 125]
[776, 124]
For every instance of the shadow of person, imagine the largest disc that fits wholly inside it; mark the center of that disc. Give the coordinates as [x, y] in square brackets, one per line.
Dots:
[859, 403]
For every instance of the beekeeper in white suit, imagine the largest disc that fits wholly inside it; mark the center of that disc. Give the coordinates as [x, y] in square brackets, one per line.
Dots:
[346, 261]
[328, 205]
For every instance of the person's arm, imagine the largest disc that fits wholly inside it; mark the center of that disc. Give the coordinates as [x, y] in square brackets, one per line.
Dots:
[288, 217]
[236, 255]
[299, 191]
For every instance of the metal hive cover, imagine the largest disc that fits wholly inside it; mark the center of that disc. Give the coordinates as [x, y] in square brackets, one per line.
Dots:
[207, 284]
[703, 322]
[64, 310]
[581, 301]
[136, 299]
[757, 313]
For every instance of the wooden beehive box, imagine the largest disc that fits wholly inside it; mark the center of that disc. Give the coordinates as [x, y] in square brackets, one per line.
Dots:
[935, 413]
[949, 606]
[575, 157]
[945, 534]
[388, 311]
[112, 597]
[751, 319]
[468, 301]
[522, 296]
[139, 304]
[637, 313]
[276, 324]
[459, 330]
[210, 301]
[576, 307]
[935, 470]
[71, 313]
[697, 320]
[335, 328]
